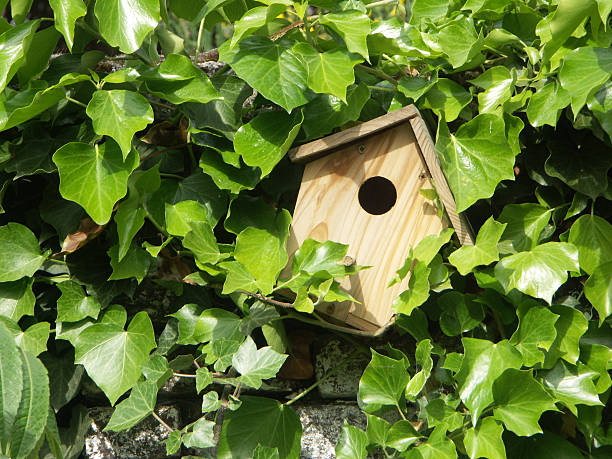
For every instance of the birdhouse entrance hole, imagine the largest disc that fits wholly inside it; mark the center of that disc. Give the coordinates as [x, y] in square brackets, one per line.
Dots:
[377, 195]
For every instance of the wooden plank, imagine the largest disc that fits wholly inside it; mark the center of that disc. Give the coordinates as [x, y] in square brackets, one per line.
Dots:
[328, 208]
[317, 148]
[428, 150]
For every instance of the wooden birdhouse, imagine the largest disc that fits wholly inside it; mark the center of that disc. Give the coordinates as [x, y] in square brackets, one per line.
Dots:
[361, 188]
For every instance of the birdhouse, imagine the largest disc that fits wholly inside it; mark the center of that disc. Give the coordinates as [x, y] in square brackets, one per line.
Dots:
[361, 187]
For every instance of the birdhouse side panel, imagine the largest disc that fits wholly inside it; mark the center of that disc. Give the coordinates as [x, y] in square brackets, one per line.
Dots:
[366, 195]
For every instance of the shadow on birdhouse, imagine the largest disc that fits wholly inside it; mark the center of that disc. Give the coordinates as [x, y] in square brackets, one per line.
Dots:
[361, 187]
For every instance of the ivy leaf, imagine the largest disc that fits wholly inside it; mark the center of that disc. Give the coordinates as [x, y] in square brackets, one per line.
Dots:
[595, 357]
[22, 106]
[485, 440]
[524, 225]
[11, 383]
[273, 68]
[438, 412]
[210, 402]
[202, 243]
[156, 369]
[569, 328]
[216, 324]
[539, 272]
[256, 364]
[254, 19]
[226, 176]
[254, 245]
[313, 257]
[584, 71]
[546, 105]
[264, 452]
[476, 158]
[177, 80]
[401, 435]
[261, 421]
[112, 356]
[119, 114]
[382, 383]
[482, 364]
[135, 408]
[201, 435]
[183, 214]
[483, 252]
[130, 217]
[572, 387]
[353, 26]
[33, 410]
[66, 12]
[173, 442]
[498, 84]
[586, 172]
[331, 72]
[460, 313]
[264, 140]
[74, 304]
[95, 177]
[458, 40]
[17, 299]
[600, 105]
[126, 35]
[417, 293]
[438, 446]
[593, 237]
[136, 263]
[598, 290]
[237, 278]
[520, 400]
[203, 379]
[14, 44]
[352, 443]
[535, 333]
[21, 255]
[446, 98]
[415, 87]
[428, 9]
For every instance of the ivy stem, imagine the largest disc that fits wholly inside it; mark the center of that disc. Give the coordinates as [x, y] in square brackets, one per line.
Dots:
[380, 3]
[378, 73]
[174, 176]
[199, 41]
[327, 375]
[184, 375]
[265, 299]
[399, 67]
[381, 88]
[74, 101]
[161, 421]
[400, 411]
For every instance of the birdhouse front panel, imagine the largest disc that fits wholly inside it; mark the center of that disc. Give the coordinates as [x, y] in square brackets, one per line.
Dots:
[366, 194]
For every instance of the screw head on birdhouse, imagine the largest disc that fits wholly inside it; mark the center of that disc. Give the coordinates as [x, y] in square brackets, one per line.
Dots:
[361, 187]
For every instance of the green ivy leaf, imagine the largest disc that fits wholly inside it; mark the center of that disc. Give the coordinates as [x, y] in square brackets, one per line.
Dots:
[157, 370]
[586, 172]
[254, 245]
[21, 254]
[535, 333]
[95, 177]
[415, 87]
[264, 140]
[596, 357]
[256, 364]
[237, 278]
[265, 452]
[598, 290]
[173, 442]
[584, 71]
[254, 19]
[446, 98]
[117, 31]
[546, 105]
[210, 402]
[11, 384]
[130, 217]
[428, 9]
[17, 299]
[74, 304]
[570, 327]
[216, 324]
[14, 44]
[417, 293]
[136, 263]
[352, 443]
[436, 447]
[22, 106]
[313, 257]
[539, 272]
[458, 40]
[273, 68]
[485, 440]
[331, 72]
[460, 313]
[438, 413]
[135, 408]
[33, 410]
[260, 421]
[112, 356]
[402, 435]
[498, 85]
[177, 80]
[572, 387]
[382, 383]
[524, 225]
[482, 364]
[476, 158]
[520, 400]
[201, 435]
[119, 114]
[226, 176]
[66, 13]
[592, 235]
[600, 105]
[353, 26]
[202, 243]
[483, 252]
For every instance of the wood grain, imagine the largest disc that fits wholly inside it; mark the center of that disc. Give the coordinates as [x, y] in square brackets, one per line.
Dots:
[318, 148]
[328, 209]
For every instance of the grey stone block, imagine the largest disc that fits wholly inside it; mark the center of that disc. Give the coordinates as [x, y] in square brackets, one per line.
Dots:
[344, 383]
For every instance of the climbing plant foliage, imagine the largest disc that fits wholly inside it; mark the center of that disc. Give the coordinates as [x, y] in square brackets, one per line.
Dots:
[128, 157]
